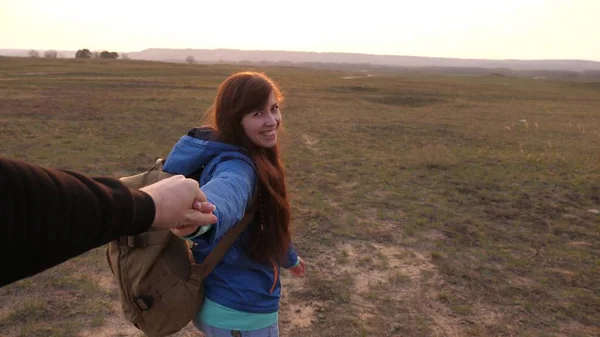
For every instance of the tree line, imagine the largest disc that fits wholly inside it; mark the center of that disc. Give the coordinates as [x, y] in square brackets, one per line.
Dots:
[80, 54]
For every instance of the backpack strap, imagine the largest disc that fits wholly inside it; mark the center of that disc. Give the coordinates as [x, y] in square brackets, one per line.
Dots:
[217, 253]
[145, 239]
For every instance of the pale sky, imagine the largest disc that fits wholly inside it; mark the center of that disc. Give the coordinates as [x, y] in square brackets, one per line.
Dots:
[493, 29]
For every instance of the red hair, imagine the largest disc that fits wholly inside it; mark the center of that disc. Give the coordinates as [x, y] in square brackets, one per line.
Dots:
[238, 95]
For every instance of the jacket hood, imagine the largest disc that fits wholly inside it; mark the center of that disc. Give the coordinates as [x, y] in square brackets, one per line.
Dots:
[195, 149]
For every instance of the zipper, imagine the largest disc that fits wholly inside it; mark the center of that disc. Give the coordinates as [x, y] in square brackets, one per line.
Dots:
[275, 277]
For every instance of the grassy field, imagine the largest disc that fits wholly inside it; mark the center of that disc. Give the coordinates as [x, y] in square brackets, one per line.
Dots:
[423, 205]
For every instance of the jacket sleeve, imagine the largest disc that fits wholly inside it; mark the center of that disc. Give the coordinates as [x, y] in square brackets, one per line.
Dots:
[230, 189]
[49, 216]
[292, 258]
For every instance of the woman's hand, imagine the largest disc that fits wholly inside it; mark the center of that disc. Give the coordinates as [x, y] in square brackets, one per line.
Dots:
[184, 231]
[300, 269]
[202, 207]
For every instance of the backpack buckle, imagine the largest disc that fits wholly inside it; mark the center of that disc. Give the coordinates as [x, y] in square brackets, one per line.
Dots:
[143, 302]
[134, 241]
[137, 241]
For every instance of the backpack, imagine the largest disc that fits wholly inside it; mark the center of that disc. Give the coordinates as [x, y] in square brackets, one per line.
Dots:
[160, 284]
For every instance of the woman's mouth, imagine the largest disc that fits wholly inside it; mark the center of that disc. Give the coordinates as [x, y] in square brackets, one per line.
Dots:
[268, 134]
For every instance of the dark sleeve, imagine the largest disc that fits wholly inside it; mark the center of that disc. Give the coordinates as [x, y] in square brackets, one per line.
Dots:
[48, 216]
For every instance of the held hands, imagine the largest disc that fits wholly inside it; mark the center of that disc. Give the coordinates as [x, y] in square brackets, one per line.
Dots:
[300, 269]
[203, 207]
[180, 204]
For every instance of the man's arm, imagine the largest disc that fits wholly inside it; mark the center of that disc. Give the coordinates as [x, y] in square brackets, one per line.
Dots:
[48, 216]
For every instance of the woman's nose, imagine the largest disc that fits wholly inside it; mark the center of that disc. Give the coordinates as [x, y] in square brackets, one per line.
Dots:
[270, 120]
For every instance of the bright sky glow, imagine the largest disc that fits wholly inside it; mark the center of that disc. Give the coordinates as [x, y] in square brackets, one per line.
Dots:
[498, 29]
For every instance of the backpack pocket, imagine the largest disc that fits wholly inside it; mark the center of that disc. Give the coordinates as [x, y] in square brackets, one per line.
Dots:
[175, 302]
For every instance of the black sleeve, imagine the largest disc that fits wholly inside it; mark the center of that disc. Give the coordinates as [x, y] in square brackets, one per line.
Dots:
[48, 216]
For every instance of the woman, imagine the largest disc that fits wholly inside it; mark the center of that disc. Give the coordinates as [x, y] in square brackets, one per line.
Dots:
[240, 145]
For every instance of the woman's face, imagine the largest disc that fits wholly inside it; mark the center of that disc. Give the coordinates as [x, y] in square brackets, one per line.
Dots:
[262, 126]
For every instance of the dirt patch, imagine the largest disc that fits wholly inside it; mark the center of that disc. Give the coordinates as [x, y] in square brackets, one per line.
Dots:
[296, 314]
[580, 244]
[401, 279]
[565, 329]
[488, 315]
[349, 185]
[310, 142]
[114, 325]
[354, 77]
[106, 282]
[434, 235]
[405, 100]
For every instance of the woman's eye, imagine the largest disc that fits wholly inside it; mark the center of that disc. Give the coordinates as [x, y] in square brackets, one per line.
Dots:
[258, 113]
[275, 107]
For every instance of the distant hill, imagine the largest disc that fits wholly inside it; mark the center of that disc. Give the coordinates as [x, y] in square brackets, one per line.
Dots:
[283, 57]
[355, 62]
[24, 52]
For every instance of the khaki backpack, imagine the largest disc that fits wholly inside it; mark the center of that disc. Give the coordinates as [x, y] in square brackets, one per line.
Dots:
[160, 285]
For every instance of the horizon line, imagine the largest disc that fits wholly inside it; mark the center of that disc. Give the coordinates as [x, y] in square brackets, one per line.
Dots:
[319, 52]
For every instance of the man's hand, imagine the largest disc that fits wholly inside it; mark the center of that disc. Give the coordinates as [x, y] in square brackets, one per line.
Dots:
[180, 203]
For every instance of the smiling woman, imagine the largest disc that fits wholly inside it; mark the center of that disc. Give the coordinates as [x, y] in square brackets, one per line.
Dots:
[243, 173]
[262, 126]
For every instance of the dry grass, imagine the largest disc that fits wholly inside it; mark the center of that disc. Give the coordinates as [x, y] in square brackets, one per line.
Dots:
[423, 205]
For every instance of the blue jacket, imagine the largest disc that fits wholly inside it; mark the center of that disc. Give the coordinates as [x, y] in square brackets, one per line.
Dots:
[228, 181]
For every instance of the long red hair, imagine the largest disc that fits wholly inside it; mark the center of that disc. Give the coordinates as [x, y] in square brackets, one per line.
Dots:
[238, 95]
